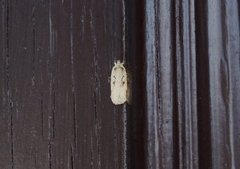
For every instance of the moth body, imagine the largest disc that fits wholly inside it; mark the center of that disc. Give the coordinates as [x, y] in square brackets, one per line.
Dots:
[120, 87]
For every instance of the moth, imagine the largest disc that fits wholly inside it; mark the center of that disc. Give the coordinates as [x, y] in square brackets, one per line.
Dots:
[120, 84]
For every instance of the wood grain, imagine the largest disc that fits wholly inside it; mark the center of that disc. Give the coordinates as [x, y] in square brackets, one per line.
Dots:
[192, 84]
[55, 106]
[56, 110]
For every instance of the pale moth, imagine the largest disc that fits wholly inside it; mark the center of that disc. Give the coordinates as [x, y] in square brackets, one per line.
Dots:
[120, 84]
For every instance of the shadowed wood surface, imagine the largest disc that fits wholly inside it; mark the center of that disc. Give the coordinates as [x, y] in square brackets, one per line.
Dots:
[192, 68]
[55, 64]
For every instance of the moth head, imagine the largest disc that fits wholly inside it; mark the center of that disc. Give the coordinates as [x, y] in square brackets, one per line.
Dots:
[118, 63]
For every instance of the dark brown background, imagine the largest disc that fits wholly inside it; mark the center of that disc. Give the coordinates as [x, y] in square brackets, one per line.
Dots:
[56, 60]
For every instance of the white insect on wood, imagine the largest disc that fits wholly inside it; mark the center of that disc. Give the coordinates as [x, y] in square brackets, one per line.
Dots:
[120, 84]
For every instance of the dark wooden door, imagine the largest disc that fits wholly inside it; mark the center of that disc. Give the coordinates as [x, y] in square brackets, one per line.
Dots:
[55, 64]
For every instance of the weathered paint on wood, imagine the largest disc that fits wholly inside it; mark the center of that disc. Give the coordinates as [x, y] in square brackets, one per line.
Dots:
[56, 59]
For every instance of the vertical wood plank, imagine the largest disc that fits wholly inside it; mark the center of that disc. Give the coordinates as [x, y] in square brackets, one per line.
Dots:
[164, 80]
[99, 125]
[27, 84]
[5, 107]
[219, 55]
[171, 100]
[56, 60]
[152, 146]
[232, 51]
[186, 89]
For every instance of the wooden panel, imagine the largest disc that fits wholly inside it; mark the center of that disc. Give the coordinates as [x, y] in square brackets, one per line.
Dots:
[56, 60]
[171, 85]
[219, 71]
[6, 144]
[192, 84]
